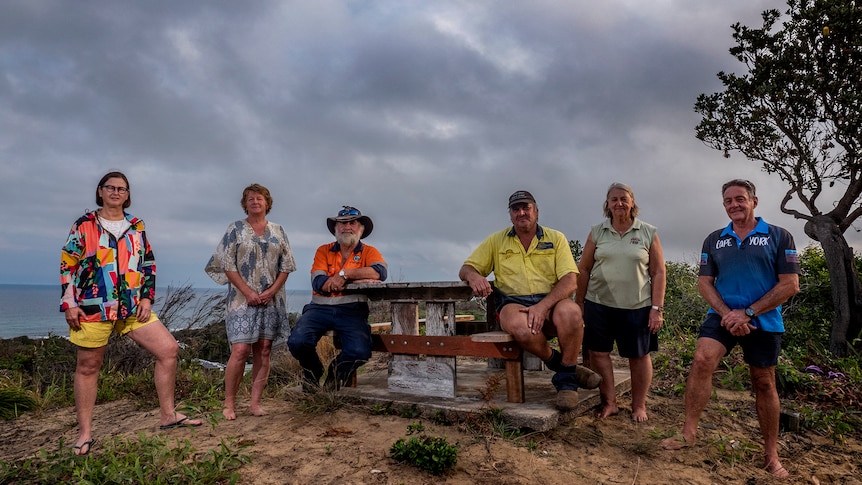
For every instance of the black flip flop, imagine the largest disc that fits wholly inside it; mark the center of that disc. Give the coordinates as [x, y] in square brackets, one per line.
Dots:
[180, 423]
[87, 444]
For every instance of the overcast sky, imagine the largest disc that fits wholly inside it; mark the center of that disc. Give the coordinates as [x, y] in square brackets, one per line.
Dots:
[425, 115]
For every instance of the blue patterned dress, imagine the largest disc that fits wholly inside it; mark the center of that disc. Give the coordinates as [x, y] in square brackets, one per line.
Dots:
[258, 260]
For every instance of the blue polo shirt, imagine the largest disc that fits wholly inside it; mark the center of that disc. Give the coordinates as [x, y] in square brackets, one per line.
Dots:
[746, 268]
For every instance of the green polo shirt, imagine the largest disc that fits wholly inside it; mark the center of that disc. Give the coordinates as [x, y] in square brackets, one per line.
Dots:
[620, 275]
[518, 272]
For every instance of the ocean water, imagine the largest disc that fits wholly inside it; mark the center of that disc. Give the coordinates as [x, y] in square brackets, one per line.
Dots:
[34, 310]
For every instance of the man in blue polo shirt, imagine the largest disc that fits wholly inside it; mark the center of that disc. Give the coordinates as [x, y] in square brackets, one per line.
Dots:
[747, 271]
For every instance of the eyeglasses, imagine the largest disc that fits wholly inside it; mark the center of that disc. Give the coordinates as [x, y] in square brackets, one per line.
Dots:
[112, 188]
[348, 211]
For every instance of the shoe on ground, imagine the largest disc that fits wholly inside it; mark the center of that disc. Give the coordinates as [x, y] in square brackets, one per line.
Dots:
[566, 400]
[587, 378]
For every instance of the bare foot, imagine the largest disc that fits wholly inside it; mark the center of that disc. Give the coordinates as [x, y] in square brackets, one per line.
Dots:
[257, 411]
[677, 442]
[639, 415]
[777, 470]
[608, 410]
[229, 414]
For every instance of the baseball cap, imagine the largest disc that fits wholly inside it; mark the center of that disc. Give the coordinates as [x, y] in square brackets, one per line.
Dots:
[521, 197]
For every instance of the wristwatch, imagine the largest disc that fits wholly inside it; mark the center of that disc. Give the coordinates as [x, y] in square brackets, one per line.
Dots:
[658, 308]
[749, 312]
[341, 273]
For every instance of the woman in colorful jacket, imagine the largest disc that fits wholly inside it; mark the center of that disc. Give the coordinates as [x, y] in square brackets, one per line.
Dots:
[108, 279]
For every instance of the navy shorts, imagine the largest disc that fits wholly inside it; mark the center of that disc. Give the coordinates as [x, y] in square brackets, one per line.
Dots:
[628, 328]
[526, 300]
[759, 348]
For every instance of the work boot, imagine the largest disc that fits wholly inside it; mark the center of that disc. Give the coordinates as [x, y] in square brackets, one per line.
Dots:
[567, 389]
[587, 378]
[566, 400]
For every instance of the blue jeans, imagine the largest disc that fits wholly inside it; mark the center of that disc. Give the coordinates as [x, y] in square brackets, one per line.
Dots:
[349, 321]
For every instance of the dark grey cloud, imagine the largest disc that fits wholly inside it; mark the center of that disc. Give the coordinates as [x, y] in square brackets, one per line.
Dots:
[426, 115]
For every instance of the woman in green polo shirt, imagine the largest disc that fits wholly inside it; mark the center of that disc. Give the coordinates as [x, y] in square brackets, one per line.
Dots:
[621, 290]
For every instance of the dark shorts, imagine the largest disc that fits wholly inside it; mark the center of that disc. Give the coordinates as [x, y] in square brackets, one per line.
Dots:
[605, 325]
[759, 348]
[526, 300]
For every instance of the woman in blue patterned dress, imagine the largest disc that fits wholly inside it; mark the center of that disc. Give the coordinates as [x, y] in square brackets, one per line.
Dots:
[254, 260]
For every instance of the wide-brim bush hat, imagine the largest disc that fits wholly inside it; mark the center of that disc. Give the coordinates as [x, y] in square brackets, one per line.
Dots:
[348, 214]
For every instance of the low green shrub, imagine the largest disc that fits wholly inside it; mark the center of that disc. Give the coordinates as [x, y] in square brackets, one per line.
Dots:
[430, 453]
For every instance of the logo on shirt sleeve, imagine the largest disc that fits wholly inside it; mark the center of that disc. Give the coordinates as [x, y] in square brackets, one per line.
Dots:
[703, 259]
[790, 256]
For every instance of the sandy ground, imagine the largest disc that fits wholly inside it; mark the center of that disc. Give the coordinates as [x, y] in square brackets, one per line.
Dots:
[351, 446]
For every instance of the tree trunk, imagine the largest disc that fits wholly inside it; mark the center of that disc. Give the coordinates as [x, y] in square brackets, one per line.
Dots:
[846, 296]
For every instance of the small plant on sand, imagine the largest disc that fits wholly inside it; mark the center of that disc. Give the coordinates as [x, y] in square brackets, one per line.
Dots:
[382, 409]
[416, 427]
[492, 385]
[430, 453]
[733, 451]
[443, 418]
[490, 422]
[410, 412]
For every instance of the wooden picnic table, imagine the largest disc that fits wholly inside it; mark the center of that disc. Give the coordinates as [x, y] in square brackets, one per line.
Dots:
[437, 373]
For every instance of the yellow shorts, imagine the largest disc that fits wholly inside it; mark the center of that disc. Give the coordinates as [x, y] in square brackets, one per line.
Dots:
[95, 334]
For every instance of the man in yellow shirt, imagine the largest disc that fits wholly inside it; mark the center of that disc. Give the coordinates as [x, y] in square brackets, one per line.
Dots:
[534, 277]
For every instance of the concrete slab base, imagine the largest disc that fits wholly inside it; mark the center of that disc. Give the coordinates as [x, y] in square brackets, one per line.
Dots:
[475, 379]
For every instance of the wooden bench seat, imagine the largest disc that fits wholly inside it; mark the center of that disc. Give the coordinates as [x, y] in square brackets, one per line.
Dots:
[496, 345]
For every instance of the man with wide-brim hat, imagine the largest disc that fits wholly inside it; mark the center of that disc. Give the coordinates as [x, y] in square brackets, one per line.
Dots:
[348, 214]
[345, 260]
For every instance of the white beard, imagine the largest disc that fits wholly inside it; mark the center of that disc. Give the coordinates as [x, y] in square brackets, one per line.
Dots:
[347, 240]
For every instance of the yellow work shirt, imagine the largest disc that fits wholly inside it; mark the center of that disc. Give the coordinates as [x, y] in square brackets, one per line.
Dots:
[518, 272]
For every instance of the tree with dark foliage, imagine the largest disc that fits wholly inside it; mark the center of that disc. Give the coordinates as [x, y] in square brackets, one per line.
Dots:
[798, 110]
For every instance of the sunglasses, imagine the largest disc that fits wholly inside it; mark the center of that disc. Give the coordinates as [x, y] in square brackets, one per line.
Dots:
[348, 211]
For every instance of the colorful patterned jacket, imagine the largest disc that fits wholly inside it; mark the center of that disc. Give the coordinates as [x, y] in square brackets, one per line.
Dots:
[104, 276]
